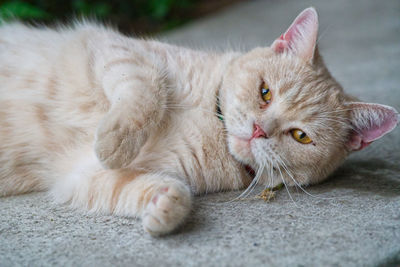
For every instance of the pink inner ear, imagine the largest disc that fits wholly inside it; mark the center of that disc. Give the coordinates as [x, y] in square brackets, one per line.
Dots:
[371, 122]
[301, 37]
[300, 21]
[376, 131]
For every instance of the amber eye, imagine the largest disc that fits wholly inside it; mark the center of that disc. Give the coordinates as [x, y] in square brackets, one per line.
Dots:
[266, 93]
[300, 136]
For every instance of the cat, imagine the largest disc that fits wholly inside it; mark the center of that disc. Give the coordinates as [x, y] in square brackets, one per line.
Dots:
[133, 127]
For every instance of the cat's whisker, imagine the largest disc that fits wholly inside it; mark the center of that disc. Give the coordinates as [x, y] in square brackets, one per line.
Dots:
[251, 187]
[271, 177]
[285, 167]
[257, 179]
[286, 187]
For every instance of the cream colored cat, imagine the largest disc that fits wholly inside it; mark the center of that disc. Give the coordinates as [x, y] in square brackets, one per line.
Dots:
[118, 125]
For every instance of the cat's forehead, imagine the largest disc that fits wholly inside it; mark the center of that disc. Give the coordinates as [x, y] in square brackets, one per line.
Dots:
[281, 70]
[288, 77]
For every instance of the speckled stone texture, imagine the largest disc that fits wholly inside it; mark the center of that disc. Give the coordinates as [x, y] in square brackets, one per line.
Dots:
[353, 219]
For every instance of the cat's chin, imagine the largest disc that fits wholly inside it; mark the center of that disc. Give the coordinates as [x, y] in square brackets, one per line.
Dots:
[241, 150]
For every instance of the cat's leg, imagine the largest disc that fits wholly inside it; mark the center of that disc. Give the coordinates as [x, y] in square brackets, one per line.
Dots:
[136, 86]
[161, 201]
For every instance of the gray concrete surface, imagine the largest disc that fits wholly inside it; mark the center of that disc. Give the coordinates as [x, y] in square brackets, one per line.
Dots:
[352, 220]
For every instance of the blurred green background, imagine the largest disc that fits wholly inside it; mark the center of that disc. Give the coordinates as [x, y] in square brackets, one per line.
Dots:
[140, 16]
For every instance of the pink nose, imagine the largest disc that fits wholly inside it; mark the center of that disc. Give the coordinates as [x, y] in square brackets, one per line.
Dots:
[258, 132]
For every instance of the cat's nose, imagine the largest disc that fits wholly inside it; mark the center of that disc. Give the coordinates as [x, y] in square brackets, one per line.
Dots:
[258, 132]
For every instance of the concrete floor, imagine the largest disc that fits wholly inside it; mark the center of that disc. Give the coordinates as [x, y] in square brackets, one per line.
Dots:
[352, 220]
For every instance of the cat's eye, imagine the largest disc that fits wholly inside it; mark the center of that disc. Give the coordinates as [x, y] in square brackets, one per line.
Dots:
[300, 136]
[266, 93]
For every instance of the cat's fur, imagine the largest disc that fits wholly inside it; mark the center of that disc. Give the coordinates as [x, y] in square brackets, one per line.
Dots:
[119, 125]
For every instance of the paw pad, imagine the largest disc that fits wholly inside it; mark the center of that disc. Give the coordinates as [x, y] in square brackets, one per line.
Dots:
[166, 210]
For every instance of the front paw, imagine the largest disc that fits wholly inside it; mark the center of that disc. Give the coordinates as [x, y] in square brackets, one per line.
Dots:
[167, 210]
[118, 140]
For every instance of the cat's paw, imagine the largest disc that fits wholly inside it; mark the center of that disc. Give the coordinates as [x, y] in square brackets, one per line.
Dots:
[167, 210]
[118, 140]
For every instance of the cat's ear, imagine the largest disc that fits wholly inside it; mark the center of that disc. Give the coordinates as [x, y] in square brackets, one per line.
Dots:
[301, 37]
[369, 122]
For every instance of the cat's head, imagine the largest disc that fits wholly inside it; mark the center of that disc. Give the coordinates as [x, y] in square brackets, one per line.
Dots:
[283, 110]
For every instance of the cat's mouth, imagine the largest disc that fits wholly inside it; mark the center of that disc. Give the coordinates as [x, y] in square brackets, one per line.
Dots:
[250, 171]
